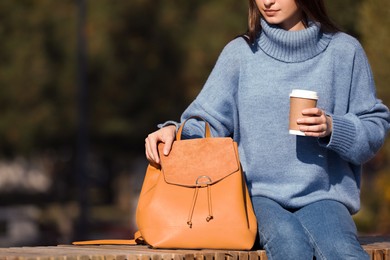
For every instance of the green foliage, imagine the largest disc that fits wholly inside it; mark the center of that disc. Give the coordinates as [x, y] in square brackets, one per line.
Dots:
[146, 62]
[345, 13]
[36, 74]
[374, 26]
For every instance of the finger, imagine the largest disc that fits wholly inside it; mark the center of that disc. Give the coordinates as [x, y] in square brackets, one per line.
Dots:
[319, 130]
[168, 145]
[152, 148]
[311, 120]
[312, 111]
[168, 137]
[314, 128]
[315, 134]
[148, 153]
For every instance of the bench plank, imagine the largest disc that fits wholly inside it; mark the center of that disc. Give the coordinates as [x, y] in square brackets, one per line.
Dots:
[377, 247]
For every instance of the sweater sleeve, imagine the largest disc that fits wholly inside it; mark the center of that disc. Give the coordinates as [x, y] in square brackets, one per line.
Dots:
[216, 102]
[359, 134]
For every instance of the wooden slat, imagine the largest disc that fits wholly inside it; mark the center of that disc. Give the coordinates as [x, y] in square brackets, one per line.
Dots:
[377, 247]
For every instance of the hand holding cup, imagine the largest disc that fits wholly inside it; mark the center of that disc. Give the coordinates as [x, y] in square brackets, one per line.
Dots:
[305, 118]
[315, 123]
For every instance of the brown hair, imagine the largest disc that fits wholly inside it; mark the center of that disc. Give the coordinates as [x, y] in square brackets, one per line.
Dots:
[312, 9]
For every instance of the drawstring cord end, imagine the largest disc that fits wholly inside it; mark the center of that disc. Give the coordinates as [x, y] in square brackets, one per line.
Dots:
[199, 185]
[209, 218]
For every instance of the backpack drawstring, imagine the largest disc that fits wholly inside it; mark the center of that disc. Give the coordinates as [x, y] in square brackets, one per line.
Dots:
[195, 197]
[210, 216]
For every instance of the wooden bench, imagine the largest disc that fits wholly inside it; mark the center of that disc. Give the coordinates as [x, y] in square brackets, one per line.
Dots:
[377, 247]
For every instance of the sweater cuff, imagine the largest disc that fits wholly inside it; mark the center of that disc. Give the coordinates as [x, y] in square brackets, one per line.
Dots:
[167, 123]
[343, 135]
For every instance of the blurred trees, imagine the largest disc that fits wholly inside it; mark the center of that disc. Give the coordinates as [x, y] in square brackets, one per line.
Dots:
[36, 75]
[146, 61]
[374, 24]
[345, 14]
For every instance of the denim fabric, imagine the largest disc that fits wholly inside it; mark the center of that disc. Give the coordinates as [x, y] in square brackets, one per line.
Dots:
[324, 230]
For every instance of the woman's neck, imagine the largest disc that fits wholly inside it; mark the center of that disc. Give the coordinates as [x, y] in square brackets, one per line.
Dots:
[294, 23]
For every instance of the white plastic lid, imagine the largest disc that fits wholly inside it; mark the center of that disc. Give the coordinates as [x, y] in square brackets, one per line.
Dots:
[300, 93]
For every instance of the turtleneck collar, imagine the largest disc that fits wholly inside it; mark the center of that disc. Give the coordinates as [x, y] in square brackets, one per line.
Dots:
[293, 46]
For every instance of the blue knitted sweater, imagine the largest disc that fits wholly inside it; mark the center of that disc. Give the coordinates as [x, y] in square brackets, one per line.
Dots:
[247, 97]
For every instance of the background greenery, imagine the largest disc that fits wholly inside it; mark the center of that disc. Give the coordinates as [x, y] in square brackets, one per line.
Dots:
[146, 61]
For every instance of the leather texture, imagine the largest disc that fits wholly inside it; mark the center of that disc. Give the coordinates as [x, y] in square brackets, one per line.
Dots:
[138, 240]
[106, 242]
[197, 198]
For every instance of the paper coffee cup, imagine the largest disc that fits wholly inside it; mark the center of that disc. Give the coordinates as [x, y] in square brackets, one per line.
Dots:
[300, 99]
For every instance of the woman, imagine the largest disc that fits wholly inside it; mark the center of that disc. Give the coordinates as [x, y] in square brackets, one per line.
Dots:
[304, 188]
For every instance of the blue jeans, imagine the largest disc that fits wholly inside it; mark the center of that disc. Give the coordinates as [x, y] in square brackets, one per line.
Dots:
[324, 230]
